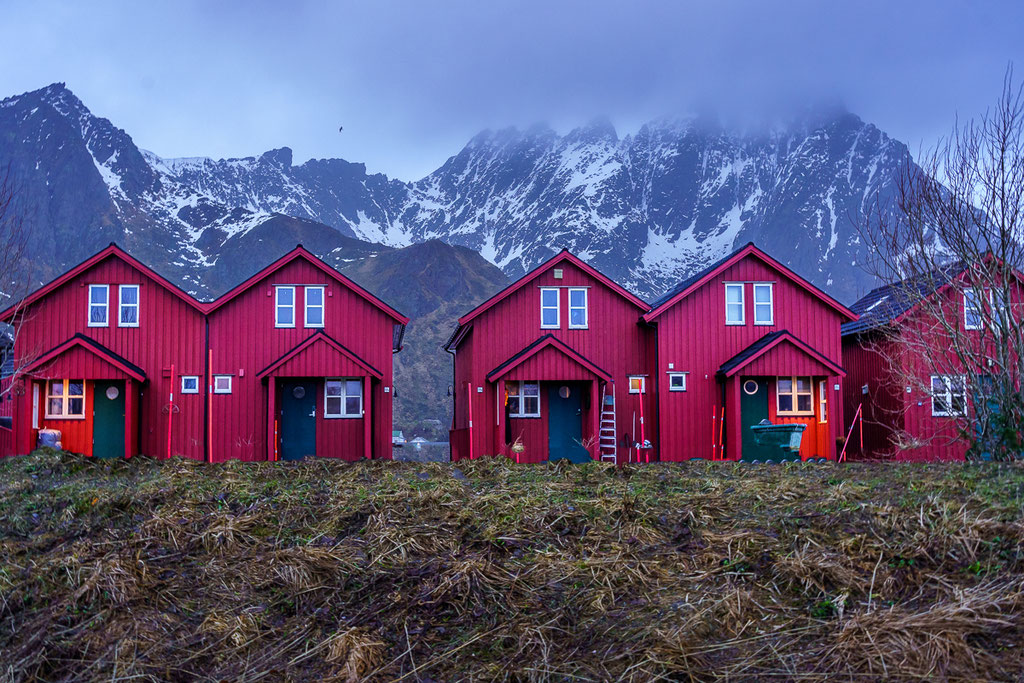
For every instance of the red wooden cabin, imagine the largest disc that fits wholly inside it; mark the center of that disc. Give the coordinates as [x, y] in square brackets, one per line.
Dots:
[550, 365]
[301, 365]
[748, 336]
[911, 392]
[94, 352]
[123, 362]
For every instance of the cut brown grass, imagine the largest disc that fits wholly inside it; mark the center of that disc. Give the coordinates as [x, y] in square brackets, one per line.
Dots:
[175, 570]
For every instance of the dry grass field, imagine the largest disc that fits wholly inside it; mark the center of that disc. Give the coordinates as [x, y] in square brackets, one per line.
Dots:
[318, 571]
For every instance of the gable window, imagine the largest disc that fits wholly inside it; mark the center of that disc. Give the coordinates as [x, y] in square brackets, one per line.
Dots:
[65, 399]
[549, 318]
[794, 396]
[222, 384]
[579, 316]
[128, 306]
[343, 398]
[734, 308]
[823, 401]
[523, 399]
[189, 384]
[764, 304]
[677, 381]
[637, 384]
[98, 300]
[284, 306]
[972, 309]
[949, 395]
[314, 306]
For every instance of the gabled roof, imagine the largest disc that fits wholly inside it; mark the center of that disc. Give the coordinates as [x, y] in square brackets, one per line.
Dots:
[886, 304]
[545, 342]
[560, 257]
[93, 347]
[320, 337]
[768, 342]
[697, 280]
[110, 251]
[300, 253]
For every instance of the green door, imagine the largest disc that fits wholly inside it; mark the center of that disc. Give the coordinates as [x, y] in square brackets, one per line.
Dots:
[565, 423]
[753, 409]
[298, 419]
[108, 420]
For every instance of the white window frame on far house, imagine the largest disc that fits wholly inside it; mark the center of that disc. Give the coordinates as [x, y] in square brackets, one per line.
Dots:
[823, 401]
[548, 307]
[672, 377]
[278, 306]
[308, 307]
[65, 398]
[946, 395]
[971, 293]
[760, 305]
[190, 384]
[735, 286]
[585, 307]
[123, 307]
[345, 389]
[523, 399]
[105, 306]
[794, 394]
[637, 384]
[218, 387]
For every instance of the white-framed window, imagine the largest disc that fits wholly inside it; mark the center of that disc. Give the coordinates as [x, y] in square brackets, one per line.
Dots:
[972, 309]
[1000, 308]
[523, 399]
[677, 381]
[314, 306]
[222, 384]
[579, 313]
[794, 396]
[99, 301]
[65, 399]
[949, 395]
[637, 384]
[549, 313]
[343, 398]
[128, 306]
[189, 384]
[284, 306]
[764, 303]
[823, 401]
[735, 310]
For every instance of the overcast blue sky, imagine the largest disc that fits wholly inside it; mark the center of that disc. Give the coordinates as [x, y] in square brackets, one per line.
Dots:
[411, 82]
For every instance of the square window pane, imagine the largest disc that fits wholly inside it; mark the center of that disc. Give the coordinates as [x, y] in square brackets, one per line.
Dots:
[549, 298]
[129, 295]
[785, 385]
[578, 297]
[76, 406]
[314, 296]
[76, 389]
[57, 388]
[56, 407]
[734, 312]
[762, 294]
[532, 405]
[315, 316]
[803, 402]
[514, 405]
[577, 316]
[333, 405]
[285, 296]
[734, 294]
[352, 405]
[803, 384]
[284, 315]
[129, 315]
[549, 316]
[97, 314]
[354, 387]
[678, 381]
[785, 403]
[512, 388]
[531, 389]
[333, 388]
[98, 295]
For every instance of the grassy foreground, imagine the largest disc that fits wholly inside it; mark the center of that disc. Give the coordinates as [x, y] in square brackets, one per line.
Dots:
[174, 570]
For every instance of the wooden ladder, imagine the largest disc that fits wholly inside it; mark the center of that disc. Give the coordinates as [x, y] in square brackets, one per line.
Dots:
[607, 434]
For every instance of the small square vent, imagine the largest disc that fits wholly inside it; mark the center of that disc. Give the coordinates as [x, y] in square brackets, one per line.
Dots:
[558, 273]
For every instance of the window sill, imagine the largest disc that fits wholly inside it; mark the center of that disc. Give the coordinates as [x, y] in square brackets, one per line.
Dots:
[284, 327]
[343, 417]
[771, 324]
[524, 417]
[729, 324]
[128, 326]
[677, 391]
[550, 327]
[782, 414]
[314, 327]
[63, 418]
[579, 327]
[98, 325]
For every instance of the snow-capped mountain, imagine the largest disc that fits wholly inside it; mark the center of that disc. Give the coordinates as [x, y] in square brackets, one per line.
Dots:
[647, 208]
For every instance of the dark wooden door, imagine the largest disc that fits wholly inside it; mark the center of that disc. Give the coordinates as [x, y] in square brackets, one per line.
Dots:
[298, 419]
[108, 420]
[753, 409]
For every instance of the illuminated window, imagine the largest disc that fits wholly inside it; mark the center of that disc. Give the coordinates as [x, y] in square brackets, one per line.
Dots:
[65, 399]
[794, 396]
[637, 384]
[523, 399]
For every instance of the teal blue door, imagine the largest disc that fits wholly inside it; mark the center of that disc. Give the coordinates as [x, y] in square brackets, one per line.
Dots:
[298, 419]
[565, 423]
[753, 409]
[108, 420]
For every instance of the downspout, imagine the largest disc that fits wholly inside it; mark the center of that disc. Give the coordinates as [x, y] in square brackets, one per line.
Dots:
[207, 416]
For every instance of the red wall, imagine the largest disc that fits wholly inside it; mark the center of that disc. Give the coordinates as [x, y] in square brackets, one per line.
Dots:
[244, 342]
[692, 335]
[170, 331]
[616, 342]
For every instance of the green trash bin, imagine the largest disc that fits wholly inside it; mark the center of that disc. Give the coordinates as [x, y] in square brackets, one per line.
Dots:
[776, 443]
